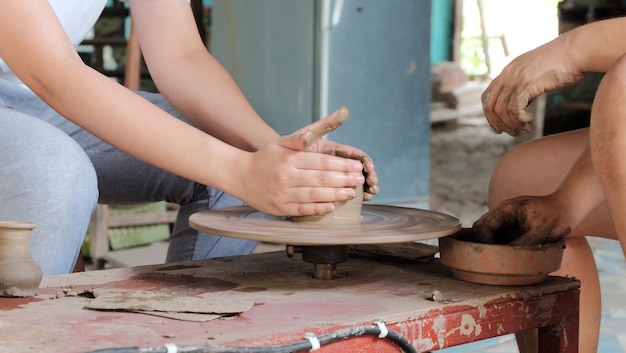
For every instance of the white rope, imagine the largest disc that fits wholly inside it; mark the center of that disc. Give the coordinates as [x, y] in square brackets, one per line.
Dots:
[315, 343]
[383, 329]
[171, 348]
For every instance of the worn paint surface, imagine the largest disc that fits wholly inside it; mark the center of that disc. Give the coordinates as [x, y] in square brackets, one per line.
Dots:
[289, 303]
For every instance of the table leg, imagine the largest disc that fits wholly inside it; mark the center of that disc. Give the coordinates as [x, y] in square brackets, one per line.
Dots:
[562, 337]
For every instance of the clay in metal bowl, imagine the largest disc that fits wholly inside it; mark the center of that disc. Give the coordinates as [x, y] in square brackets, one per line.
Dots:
[496, 264]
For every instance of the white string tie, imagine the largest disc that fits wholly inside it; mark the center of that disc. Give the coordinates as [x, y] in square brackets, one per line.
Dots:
[383, 329]
[171, 348]
[315, 343]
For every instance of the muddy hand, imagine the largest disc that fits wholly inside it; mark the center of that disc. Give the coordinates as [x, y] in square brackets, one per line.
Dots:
[523, 220]
[486, 227]
[315, 143]
[370, 187]
[321, 128]
[310, 137]
[524, 79]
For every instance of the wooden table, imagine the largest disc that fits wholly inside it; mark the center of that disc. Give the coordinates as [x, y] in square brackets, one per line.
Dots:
[421, 301]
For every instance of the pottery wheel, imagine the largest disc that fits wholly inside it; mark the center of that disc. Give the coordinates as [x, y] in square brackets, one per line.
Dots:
[380, 224]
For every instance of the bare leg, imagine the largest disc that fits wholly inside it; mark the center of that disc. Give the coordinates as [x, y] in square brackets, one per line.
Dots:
[537, 168]
[608, 143]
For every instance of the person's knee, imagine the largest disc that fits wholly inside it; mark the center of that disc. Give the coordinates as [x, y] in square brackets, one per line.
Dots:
[72, 178]
[617, 71]
[52, 173]
[78, 183]
[41, 162]
[533, 168]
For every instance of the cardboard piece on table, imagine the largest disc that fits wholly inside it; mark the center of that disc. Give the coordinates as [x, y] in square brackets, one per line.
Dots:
[180, 316]
[162, 304]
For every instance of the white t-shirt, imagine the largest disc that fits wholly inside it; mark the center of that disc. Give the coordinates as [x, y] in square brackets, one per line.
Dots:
[77, 18]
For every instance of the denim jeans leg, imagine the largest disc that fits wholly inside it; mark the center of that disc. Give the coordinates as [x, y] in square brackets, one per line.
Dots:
[189, 244]
[46, 178]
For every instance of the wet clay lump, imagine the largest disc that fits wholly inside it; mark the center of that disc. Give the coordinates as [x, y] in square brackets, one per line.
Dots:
[345, 212]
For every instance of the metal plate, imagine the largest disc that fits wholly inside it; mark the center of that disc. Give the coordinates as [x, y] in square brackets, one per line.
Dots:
[380, 224]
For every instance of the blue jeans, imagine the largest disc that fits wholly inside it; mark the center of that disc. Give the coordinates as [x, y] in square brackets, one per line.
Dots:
[53, 173]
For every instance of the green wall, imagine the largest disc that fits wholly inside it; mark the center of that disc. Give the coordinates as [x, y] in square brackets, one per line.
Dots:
[442, 25]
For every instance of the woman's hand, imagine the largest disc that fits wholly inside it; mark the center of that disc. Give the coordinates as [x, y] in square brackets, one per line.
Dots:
[523, 220]
[538, 71]
[321, 145]
[301, 174]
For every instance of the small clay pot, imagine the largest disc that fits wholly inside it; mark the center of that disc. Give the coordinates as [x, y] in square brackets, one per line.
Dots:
[498, 264]
[20, 275]
[345, 212]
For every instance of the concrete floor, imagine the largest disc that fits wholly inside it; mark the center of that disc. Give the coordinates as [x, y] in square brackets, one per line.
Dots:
[462, 157]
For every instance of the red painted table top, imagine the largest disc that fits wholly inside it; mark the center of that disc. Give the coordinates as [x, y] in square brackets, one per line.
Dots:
[288, 304]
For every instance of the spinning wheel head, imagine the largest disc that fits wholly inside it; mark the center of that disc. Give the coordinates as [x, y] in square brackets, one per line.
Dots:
[378, 225]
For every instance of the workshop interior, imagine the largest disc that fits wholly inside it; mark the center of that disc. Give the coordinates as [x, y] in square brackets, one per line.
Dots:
[400, 273]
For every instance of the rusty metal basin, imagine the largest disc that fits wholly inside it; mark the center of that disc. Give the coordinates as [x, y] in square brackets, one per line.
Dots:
[495, 264]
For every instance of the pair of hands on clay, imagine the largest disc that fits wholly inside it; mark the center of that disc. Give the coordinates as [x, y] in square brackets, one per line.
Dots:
[303, 173]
